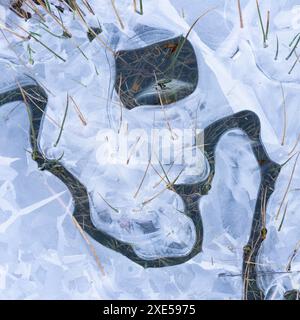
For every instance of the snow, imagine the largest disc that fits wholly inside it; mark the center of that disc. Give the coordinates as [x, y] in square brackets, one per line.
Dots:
[44, 256]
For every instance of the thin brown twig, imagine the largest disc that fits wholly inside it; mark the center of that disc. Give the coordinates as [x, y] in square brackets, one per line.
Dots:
[41, 3]
[288, 187]
[117, 13]
[264, 208]
[295, 252]
[169, 186]
[240, 14]
[284, 115]
[92, 249]
[283, 217]
[79, 113]
[3, 27]
[142, 181]
[133, 149]
[296, 144]
[120, 104]
[162, 178]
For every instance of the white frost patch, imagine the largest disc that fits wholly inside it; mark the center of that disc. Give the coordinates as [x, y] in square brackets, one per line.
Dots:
[42, 254]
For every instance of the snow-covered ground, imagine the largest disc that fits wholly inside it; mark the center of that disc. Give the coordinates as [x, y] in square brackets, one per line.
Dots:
[44, 255]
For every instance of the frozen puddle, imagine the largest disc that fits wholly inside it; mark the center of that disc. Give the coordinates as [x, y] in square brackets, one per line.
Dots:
[118, 144]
